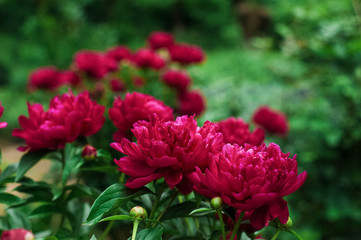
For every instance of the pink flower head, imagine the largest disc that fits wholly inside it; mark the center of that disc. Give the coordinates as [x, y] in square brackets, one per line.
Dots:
[119, 53]
[179, 80]
[68, 117]
[17, 234]
[117, 85]
[186, 54]
[44, 78]
[237, 131]
[158, 40]
[134, 107]
[252, 178]
[168, 149]
[95, 64]
[2, 124]
[69, 77]
[191, 103]
[146, 58]
[271, 120]
[138, 81]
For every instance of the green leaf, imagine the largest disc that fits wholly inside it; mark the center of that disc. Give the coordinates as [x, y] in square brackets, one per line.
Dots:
[45, 210]
[113, 197]
[104, 169]
[48, 238]
[4, 224]
[179, 210]
[17, 219]
[72, 162]
[202, 212]
[117, 217]
[150, 233]
[93, 237]
[101, 153]
[11, 169]
[27, 161]
[9, 199]
[79, 190]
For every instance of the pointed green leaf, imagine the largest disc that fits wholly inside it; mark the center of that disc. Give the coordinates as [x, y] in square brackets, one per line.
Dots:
[113, 197]
[8, 171]
[17, 219]
[179, 210]
[150, 233]
[93, 237]
[9, 199]
[27, 161]
[45, 210]
[72, 162]
[202, 212]
[117, 217]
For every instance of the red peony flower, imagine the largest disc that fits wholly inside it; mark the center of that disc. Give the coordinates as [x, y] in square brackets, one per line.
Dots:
[2, 124]
[69, 77]
[252, 178]
[44, 78]
[146, 58]
[158, 40]
[177, 79]
[117, 85]
[119, 53]
[17, 234]
[168, 149]
[68, 117]
[135, 107]
[89, 152]
[186, 54]
[271, 120]
[95, 64]
[237, 131]
[191, 103]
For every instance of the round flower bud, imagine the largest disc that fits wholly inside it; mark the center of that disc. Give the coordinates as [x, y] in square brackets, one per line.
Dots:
[289, 223]
[89, 152]
[138, 212]
[216, 203]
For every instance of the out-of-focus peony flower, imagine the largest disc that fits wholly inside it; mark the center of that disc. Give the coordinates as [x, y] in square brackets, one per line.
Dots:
[168, 149]
[69, 77]
[186, 54]
[158, 40]
[191, 103]
[252, 178]
[135, 107]
[2, 124]
[237, 131]
[89, 152]
[44, 78]
[17, 234]
[179, 80]
[117, 85]
[68, 117]
[95, 64]
[138, 81]
[146, 58]
[271, 120]
[119, 53]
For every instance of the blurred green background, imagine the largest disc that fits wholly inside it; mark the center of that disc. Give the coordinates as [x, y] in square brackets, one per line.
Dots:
[301, 57]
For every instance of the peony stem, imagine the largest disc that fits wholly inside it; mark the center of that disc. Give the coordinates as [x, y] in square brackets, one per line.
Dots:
[155, 205]
[219, 212]
[135, 228]
[175, 193]
[106, 231]
[236, 226]
[295, 234]
[276, 234]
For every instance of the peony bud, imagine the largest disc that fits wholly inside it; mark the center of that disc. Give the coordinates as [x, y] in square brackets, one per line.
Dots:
[138, 212]
[216, 203]
[89, 152]
[289, 223]
[17, 234]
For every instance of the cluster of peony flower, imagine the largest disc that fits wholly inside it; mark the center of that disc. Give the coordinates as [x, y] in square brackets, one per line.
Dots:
[67, 118]
[221, 160]
[93, 70]
[2, 124]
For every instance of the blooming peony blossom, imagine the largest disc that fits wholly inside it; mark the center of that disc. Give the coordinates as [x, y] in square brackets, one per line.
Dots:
[134, 107]
[168, 150]
[2, 124]
[191, 103]
[179, 80]
[237, 131]
[68, 117]
[95, 64]
[117, 85]
[119, 53]
[44, 78]
[186, 54]
[68, 77]
[17, 234]
[146, 58]
[252, 178]
[158, 40]
[271, 120]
